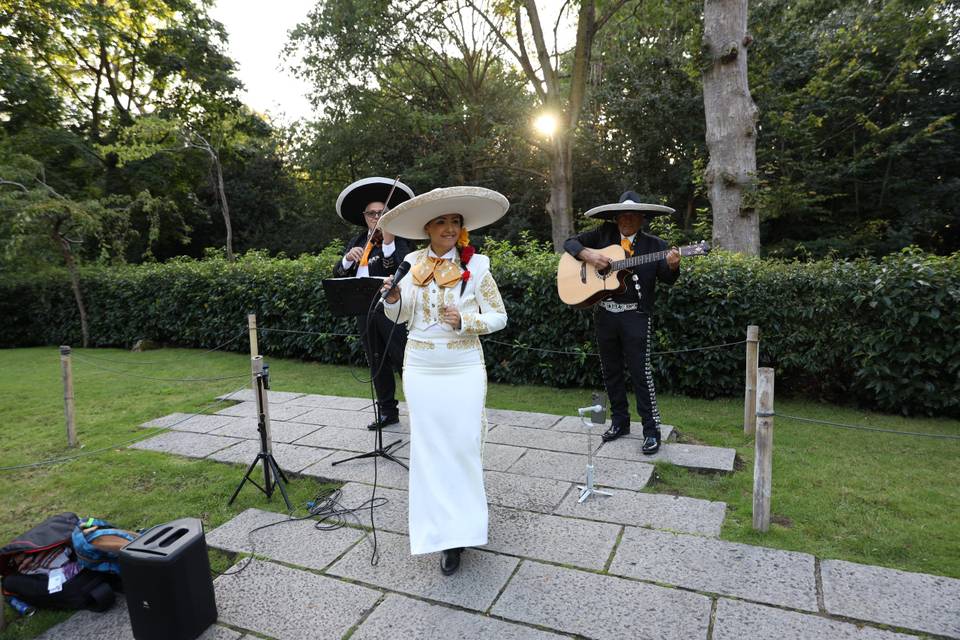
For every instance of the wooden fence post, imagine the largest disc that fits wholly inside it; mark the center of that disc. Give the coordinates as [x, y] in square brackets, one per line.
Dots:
[763, 461]
[750, 383]
[252, 326]
[66, 369]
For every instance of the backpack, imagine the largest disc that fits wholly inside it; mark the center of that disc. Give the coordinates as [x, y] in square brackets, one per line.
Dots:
[91, 546]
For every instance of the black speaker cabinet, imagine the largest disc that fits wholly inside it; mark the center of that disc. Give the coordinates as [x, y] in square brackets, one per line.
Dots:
[166, 579]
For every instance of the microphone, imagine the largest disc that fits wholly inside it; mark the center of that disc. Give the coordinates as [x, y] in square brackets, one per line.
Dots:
[397, 277]
[598, 412]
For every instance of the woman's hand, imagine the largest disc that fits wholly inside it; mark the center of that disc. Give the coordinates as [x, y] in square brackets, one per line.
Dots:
[394, 295]
[451, 315]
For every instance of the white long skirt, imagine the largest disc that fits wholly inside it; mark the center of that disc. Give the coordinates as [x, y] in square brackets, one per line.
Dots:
[445, 390]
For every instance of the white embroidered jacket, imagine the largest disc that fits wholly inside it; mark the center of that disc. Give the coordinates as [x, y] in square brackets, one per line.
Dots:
[481, 307]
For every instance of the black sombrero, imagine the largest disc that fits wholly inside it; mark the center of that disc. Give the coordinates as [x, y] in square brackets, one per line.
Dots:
[629, 201]
[354, 199]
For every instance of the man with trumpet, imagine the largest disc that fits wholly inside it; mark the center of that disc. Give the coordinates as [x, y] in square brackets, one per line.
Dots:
[376, 253]
[624, 321]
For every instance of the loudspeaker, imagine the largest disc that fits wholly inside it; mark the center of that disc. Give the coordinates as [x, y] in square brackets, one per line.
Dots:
[166, 579]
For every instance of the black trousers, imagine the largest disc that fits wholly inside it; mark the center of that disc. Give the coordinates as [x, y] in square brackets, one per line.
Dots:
[376, 343]
[623, 340]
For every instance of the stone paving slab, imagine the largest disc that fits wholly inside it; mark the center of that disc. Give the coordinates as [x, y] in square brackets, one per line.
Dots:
[315, 401]
[183, 443]
[347, 439]
[389, 474]
[114, 624]
[737, 620]
[391, 516]
[248, 429]
[539, 439]
[539, 536]
[289, 457]
[521, 418]
[910, 600]
[694, 456]
[572, 424]
[336, 418]
[479, 580]
[499, 457]
[399, 617]
[197, 423]
[655, 510]
[571, 467]
[277, 411]
[293, 542]
[772, 576]
[602, 607]
[246, 395]
[290, 604]
[521, 492]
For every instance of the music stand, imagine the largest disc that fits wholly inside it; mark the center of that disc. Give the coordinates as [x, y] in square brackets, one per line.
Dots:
[354, 297]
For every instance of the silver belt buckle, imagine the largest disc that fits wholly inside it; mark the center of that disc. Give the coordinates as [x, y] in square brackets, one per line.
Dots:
[616, 307]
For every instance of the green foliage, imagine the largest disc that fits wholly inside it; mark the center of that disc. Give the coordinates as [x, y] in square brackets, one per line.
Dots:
[883, 334]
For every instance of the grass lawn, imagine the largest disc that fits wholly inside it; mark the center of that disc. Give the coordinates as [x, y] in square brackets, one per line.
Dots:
[867, 497]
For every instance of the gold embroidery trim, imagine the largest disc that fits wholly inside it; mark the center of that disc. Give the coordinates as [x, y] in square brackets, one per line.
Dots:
[464, 343]
[419, 345]
[490, 293]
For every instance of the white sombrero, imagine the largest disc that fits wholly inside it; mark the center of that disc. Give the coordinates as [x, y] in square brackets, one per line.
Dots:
[354, 199]
[478, 206]
[629, 202]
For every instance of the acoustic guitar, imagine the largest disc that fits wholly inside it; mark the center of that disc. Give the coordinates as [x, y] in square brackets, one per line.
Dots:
[581, 285]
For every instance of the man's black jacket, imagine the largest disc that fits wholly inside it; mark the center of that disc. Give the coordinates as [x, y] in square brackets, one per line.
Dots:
[608, 234]
[376, 263]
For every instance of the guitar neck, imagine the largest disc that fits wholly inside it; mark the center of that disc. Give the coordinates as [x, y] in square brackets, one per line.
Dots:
[635, 261]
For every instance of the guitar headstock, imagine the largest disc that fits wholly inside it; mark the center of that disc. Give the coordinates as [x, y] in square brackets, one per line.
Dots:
[701, 248]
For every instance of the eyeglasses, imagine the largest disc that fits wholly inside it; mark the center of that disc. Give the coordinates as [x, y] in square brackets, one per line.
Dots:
[374, 213]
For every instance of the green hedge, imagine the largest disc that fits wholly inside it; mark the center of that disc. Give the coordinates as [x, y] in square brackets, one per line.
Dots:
[885, 335]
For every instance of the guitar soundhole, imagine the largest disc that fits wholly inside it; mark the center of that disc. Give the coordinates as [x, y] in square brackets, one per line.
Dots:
[603, 273]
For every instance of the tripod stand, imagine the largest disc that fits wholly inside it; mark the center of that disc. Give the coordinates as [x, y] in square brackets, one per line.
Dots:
[272, 475]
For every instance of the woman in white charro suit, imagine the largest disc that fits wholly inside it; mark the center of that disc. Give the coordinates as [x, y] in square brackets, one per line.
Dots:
[448, 299]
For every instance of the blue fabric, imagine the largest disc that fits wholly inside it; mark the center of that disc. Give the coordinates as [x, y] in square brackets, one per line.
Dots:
[92, 557]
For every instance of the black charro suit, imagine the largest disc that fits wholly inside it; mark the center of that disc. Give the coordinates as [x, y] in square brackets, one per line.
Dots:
[376, 341]
[623, 339]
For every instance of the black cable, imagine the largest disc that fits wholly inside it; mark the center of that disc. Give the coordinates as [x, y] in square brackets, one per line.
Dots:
[331, 514]
[149, 434]
[134, 375]
[591, 353]
[217, 348]
[310, 333]
[945, 436]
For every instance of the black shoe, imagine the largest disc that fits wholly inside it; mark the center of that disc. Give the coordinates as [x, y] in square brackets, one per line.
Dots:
[450, 561]
[385, 421]
[615, 432]
[650, 446]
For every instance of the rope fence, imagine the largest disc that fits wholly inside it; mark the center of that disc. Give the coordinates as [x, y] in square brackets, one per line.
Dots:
[750, 409]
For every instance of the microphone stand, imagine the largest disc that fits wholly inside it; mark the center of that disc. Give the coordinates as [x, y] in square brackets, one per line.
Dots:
[596, 416]
[379, 450]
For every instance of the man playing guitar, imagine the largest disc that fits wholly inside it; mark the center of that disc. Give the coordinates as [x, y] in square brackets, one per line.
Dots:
[624, 320]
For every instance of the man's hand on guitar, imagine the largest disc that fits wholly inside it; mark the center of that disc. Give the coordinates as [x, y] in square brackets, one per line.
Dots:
[595, 258]
[673, 259]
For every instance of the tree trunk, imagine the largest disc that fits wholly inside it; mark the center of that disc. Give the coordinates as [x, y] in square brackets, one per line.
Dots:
[731, 119]
[74, 284]
[560, 204]
[224, 207]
